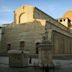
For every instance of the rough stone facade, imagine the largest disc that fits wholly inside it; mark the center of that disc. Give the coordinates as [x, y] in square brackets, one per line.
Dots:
[30, 26]
[30, 33]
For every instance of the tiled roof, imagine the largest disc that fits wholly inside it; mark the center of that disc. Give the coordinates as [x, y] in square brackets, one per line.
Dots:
[68, 14]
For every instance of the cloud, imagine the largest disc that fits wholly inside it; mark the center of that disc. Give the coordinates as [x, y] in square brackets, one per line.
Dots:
[4, 8]
[5, 15]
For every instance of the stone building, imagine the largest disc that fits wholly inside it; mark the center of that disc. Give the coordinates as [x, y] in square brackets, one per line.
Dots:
[0, 36]
[31, 25]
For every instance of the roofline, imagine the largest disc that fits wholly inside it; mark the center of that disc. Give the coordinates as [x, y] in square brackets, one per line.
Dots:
[45, 13]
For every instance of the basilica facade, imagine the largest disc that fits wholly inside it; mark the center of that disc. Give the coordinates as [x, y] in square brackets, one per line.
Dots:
[31, 26]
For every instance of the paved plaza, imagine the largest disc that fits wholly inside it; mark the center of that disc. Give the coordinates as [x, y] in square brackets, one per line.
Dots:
[64, 66]
[31, 69]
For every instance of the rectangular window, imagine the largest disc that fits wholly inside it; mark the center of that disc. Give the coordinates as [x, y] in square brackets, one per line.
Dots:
[22, 44]
[30, 60]
[37, 45]
[8, 46]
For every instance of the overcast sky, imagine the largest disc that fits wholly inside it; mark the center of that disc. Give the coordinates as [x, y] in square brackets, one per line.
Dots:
[54, 8]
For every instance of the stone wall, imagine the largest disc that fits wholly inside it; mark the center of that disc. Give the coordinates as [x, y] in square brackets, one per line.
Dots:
[29, 26]
[30, 33]
[62, 43]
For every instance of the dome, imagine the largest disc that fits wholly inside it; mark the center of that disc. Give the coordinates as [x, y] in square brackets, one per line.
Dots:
[68, 14]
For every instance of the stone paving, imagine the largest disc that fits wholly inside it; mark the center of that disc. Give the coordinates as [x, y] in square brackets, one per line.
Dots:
[32, 69]
[66, 66]
[28, 69]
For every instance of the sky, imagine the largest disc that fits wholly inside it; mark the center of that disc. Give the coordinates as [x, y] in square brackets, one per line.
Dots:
[54, 8]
